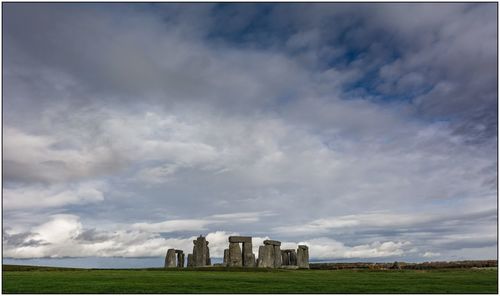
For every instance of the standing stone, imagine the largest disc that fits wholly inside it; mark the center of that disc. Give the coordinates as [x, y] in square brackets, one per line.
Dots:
[226, 257]
[277, 256]
[190, 262]
[235, 257]
[248, 255]
[180, 258]
[293, 257]
[183, 260]
[266, 256]
[285, 257]
[170, 258]
[201, 253]
[303, 256]
[209, 261]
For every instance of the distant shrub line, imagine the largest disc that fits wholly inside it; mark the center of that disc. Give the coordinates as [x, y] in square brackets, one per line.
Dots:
[404, 265]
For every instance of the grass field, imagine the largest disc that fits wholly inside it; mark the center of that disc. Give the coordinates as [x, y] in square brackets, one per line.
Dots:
[57, 280]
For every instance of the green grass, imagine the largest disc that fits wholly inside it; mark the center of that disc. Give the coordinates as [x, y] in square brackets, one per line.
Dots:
[55, 280]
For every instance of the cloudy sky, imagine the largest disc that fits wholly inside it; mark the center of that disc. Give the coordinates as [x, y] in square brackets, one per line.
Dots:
[366, 131]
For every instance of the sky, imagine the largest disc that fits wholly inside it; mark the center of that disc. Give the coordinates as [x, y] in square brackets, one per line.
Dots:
[365, 131]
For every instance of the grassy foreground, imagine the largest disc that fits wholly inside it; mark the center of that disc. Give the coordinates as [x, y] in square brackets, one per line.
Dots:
[55, 280]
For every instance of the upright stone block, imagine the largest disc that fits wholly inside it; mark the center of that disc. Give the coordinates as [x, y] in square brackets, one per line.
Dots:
[277, 256]
[248, 255]
[226, 257]
[201, 253]
[285, 258]
[190, 262]
[293, 257]
[266, 256]
[208, 261]
[180, 258]
[170, 258]
[303, 256]
[235, 257]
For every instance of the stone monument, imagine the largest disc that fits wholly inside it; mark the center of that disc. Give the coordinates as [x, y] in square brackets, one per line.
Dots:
[235, 256]
[303, 256]
[270, 254]
[201, 254]
[174, 258]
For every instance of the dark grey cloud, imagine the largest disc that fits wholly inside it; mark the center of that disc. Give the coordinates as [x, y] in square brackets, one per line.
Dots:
[23, 239]
[92, 236]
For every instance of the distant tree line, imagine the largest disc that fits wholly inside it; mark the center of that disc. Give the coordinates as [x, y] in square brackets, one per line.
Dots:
[405, 265]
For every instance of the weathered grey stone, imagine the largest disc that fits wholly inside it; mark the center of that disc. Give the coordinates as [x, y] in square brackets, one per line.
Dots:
[235, 257]
[225, 262]
[285, 260]
[240, 239]
[209, 261]
[272, 242]
[248, 255]
[250, 261]
[293, 257]
[170, 258]
[303, 256]
[190, 262]
[277, 256]
[266, 256]
[180, 259]
[201, 253]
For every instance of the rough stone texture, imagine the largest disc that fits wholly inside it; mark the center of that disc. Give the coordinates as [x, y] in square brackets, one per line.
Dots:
[209, 261]
[190, 260]
[226, 257]
[277, 256]
[251, 262]
[266, 256]
[303, 256]
[285, 259]
[201, 253]
[248, 255]
[293, 257]
[240, 239]
[170, 258]
[235, 257]
[180, 259]
[272, 242]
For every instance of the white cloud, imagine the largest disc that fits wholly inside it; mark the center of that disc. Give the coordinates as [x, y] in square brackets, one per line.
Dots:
[30, 158]
[384, 220]
[173, 225]
[39, 197]
[325, 248]
[60, 236]
[431, 254]
[201, 224]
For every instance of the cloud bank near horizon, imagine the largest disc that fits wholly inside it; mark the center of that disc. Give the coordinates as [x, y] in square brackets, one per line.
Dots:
[362, 130]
